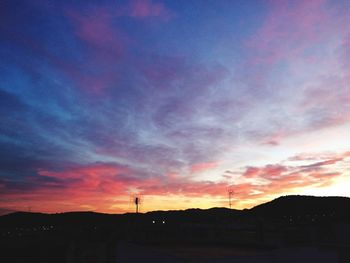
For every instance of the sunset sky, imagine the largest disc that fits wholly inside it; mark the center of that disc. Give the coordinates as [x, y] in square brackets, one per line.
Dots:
[176, 101]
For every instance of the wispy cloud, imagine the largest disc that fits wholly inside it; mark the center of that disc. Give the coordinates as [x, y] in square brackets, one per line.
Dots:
[102, 98]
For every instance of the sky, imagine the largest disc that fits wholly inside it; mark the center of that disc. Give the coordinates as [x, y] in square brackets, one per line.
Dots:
[178, 102]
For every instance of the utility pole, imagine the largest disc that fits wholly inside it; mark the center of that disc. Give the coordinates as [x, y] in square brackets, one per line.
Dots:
[230, 193]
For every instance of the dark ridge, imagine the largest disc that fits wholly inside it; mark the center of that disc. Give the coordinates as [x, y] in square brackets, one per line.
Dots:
[211, 215]
[303, 205]
[71, 218]
[294, 205]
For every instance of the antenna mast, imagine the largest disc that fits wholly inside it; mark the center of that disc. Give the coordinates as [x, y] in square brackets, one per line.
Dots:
[137, 202]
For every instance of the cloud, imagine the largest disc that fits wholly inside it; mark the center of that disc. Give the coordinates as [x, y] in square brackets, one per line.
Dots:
[276, 179]
[104, 44]
[98, 184]
[269, 171]
[322, 163]
[96, 28]
[297, 69]
[289, 29]
[201, 167]
[118, 97]
[136, 108]
[100, 177]
[149, 8]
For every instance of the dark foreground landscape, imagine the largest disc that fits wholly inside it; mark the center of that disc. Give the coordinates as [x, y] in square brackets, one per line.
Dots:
[287, 229]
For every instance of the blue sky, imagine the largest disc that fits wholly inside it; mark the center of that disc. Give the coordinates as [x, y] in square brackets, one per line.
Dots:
[102, 100]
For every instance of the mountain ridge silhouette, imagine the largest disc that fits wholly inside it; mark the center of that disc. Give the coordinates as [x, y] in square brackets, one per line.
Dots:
[290, 205]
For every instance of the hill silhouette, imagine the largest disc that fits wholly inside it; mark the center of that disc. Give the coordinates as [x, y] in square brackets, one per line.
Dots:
[288, 221]
[294, 205]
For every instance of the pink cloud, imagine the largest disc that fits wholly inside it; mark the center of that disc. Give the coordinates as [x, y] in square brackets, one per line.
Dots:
[323, 163]
[101, 186]
[280, 179]
[107, 186]
[251, 172]
[325, 106]
[318, 162]
[346, 155]
[282, 185]
[312, 156]
[185, 188]
[97, 29]
[104, 44]
[148, 8]
[303, 33]
[269, 171]
[100, 177]
[201, 167]
[289, 29]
